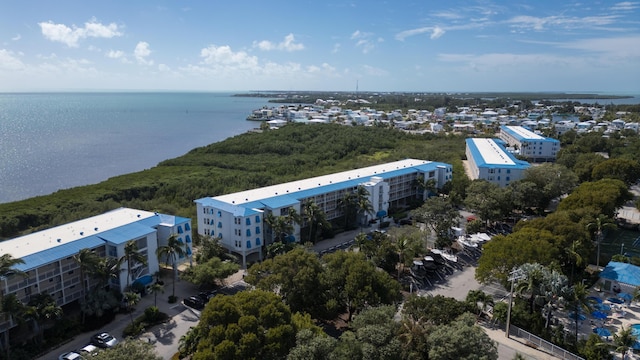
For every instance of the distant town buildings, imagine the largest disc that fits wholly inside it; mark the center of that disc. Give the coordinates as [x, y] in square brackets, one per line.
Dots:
[467, 119]
[238, 219]
[488, 160]
[48, 254]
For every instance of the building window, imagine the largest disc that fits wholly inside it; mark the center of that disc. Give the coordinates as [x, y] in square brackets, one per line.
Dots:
[248, 244]
[257, 230]
[219, 225]
[188, 238]
[248, 232]
[219, 213]
[257, 241]
[508, 178]
[248, 221]
[180, 229]
[257, 219]
[187, 227]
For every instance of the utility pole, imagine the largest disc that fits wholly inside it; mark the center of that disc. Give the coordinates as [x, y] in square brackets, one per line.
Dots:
[514, 275]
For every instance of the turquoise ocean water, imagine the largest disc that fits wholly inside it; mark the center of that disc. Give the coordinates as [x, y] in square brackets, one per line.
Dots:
[52, 141]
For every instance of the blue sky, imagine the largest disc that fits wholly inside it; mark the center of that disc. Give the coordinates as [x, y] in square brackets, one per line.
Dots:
[246, 45]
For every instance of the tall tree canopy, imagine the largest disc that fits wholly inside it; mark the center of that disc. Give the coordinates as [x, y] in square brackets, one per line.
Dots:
[248, 325]
[296, 275]
[354, 283]
[505, 253]
[603, 196]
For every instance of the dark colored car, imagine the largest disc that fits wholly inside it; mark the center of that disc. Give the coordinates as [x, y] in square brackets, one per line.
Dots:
[207, 295]
[103, 340]
[194, 302]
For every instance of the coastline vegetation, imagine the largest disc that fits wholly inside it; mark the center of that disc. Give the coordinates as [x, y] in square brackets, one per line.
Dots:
[246, 161]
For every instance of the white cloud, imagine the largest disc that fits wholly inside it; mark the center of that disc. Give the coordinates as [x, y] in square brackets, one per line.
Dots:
[224, 56]
[625, 6]
[436, 32]
[374, 71]
[620, 47]
[163, 68]
[142, 52]
[336, 48]
[72, 35]
[115, 54]
[9, 61]
[363, 41]
[288, 44]
[16, 38]
[567, 23]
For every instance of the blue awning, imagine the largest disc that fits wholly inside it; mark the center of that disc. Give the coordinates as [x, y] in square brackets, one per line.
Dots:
[144, 280]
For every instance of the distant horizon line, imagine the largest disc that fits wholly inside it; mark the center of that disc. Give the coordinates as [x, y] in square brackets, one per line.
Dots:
[571, 92]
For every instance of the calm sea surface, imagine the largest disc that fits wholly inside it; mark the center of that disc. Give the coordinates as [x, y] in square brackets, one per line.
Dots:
[52, 141]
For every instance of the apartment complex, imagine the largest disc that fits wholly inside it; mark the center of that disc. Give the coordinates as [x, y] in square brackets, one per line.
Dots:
[48, 255]
[238, 218]
[488, 160]
[530, 145]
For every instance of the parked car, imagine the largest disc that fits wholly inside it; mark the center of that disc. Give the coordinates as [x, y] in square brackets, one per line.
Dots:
[88, 350]
[205, 296]
[71, 355]
[194, 302]
[103, 340]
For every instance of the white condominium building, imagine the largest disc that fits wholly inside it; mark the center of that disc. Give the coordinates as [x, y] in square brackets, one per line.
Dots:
[48, 254]
[488, 160]
[530, 145]
[238, 218]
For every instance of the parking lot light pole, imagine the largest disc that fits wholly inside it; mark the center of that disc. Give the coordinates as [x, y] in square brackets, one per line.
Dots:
[514, 275]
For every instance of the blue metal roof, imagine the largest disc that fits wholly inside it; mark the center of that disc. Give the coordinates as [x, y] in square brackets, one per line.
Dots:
[480, 161]
[519, 137]
[622, 272]
[58, 252]
[280, 201]
[125, 233]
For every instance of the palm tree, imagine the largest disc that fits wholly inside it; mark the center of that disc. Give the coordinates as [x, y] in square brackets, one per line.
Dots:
[107, 269]
[402, 245]
[170, 253]
[7, 264]
[155, 288]
[427, 186]
[41, 309]
[531, 283]
[554, 287]
[87, 261]
[575, 257]
[598, 227]
[131, 299]
[480, 299]
[578, 301]
[347, 205]
[13, 309]
[280, 227]
[624, 339]
[132, 257]
[363, 204]
[314, 217]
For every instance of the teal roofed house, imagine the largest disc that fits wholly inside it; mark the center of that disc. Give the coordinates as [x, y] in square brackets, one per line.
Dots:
[48, 254]
[488, 160]
[238, 218]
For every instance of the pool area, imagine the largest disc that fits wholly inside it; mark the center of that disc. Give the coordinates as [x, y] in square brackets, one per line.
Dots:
[635, 331]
